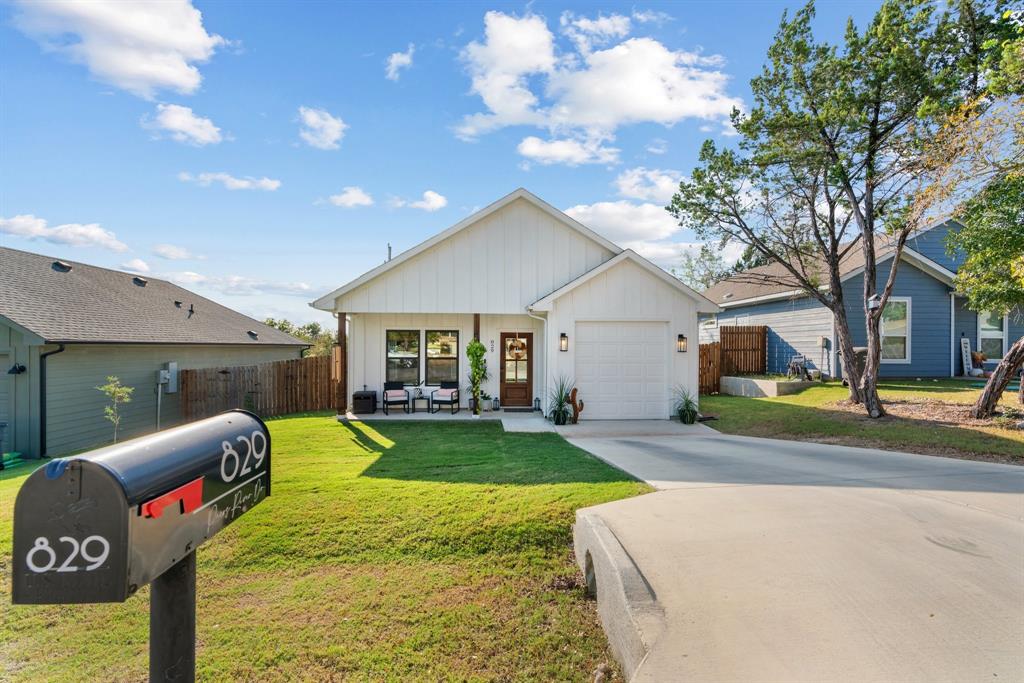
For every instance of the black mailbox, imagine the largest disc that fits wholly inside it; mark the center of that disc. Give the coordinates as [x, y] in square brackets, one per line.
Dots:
[98, 526]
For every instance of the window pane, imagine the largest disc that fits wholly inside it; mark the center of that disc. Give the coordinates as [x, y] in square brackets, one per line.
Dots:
[442, 343]
[991, 322]
[894, 348]
[442, 370]
[521, 371]
[894, 318]
[403, 356]
[510, 371]
[992, 348]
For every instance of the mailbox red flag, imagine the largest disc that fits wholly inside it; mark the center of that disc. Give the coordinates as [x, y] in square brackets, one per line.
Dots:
[190, 495]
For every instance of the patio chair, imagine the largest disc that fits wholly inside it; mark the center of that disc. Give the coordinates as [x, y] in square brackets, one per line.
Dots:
[448, 395]
[395, 393]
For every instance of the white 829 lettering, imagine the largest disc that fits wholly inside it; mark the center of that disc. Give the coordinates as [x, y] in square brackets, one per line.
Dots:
[42, 550]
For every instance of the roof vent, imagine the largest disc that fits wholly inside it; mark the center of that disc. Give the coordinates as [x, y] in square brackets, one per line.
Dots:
[177, 304]
[140, 281]
[62, 266]
[252, 334]
[727, 295]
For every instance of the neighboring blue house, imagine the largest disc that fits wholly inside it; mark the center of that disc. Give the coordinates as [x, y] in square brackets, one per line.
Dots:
[922, 325]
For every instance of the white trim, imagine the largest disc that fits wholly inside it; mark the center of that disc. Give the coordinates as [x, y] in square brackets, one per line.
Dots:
[925, 264]
[952, 334]
[910, 318]
[327, 301]
[1005, 336]
[704, 305]
[766, 297]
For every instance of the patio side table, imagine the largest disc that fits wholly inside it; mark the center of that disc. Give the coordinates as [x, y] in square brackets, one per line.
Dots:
[424, 399]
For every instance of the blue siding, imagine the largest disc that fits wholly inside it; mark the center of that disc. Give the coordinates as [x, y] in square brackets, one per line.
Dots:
[967, 326]
[929, 319]
[932, 244]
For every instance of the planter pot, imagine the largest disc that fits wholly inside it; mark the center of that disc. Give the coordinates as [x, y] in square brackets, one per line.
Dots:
[687, 418]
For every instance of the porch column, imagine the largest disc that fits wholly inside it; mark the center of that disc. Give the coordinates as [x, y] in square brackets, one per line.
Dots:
[342, 398]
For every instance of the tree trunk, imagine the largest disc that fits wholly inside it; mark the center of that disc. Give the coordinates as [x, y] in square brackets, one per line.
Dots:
[869, 381]
[1004, 372]
[845, 342]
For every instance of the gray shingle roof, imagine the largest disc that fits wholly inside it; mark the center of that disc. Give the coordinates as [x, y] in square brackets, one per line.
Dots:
[92, 304]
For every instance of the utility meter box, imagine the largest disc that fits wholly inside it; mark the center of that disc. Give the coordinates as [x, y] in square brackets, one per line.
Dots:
[98, 526]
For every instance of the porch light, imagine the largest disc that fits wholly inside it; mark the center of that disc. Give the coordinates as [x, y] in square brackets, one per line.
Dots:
[681, 343]
[563, 342]
[16, 369]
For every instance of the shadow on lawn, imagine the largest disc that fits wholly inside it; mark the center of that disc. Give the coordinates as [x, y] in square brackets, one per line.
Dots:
[475, 453]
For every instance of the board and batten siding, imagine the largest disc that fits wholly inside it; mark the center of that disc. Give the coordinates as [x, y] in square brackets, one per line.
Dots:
[74, 408]
[627, 293]
[498, 265]
[367, 344]
[794, 328]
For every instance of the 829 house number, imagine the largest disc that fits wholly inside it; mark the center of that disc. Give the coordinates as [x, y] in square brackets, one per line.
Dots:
[94, 550]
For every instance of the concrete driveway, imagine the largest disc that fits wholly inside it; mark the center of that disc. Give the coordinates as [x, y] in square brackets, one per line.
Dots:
[764, 560]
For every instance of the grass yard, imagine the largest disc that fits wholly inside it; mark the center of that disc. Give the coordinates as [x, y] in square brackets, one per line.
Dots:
[816, 414]
[397, 551]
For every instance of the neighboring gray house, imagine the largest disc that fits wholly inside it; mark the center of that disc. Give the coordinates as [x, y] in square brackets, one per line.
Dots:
[922, 329]
[66, 326]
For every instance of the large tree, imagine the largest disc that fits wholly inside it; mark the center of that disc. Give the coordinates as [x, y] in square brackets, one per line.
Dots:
[992, 275]
[830, 154]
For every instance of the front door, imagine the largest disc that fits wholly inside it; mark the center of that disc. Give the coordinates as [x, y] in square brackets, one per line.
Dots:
[516, 369]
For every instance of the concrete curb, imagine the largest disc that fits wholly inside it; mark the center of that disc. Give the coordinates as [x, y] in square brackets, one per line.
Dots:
[626, 603]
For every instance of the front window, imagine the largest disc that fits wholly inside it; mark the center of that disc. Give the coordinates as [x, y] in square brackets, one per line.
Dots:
[895, 330]
[442, 356]
[403, 361]
[991, 334]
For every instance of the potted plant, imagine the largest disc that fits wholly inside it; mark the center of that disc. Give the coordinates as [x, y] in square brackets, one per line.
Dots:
[685, 406]
[486, 400]
[561, 409]
[477, 373]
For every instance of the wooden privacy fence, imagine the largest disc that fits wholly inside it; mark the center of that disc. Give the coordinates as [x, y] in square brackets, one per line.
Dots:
[268, 389]
[742, 350]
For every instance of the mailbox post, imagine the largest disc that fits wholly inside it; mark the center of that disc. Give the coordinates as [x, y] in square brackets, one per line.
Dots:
[97, 527]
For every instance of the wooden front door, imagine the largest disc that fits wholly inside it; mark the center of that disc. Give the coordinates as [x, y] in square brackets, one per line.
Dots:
[516, 369]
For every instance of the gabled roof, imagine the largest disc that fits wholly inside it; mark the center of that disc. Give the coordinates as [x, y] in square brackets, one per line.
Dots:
[704, 305]
[326, 302]
[65, 301]
[773, 281]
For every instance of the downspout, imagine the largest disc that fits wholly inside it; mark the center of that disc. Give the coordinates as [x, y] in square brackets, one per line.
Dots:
[42, 397]
[544, 400]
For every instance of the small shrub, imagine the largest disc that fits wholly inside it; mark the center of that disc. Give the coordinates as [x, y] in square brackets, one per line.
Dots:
[118, 394]
[685, 406]
[561, 409]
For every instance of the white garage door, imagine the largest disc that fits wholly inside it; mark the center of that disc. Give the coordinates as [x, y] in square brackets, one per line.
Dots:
[5, 405]
[621, 370]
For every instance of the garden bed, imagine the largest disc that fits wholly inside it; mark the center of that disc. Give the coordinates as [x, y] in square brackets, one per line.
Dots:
[762, 387]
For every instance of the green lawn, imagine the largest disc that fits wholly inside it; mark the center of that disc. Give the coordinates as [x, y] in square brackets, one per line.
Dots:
[812, 415]
[394, 551]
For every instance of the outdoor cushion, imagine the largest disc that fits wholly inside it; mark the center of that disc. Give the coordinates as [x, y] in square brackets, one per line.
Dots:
[395, 395]
[446, 393]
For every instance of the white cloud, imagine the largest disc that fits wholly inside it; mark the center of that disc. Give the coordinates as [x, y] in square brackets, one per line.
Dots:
[651, 17]
[183, 125]
[568, 151]
[238, 284]
[350, 197]
[141, 47]
[624, 221]
[136, 265]
[657, 146]
[513, 49]
[172, 252]
[398, 61]
[586, 32]
[432, 201]
[72, 234]
[648, 184]
[586, 94]
[230, 182]
[668, 254]
[320, 129]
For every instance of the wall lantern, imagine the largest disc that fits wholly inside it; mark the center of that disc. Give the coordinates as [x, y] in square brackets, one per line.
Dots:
[563, 342]
[16, 369]
[874, 303]
[681, 343]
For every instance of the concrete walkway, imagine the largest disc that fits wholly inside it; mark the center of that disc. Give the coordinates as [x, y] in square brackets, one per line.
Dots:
[764, 560]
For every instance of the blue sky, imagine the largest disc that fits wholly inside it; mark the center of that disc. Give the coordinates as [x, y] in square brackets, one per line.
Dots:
[262, 154]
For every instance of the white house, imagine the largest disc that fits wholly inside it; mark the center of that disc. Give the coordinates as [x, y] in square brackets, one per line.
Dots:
[547, 296]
